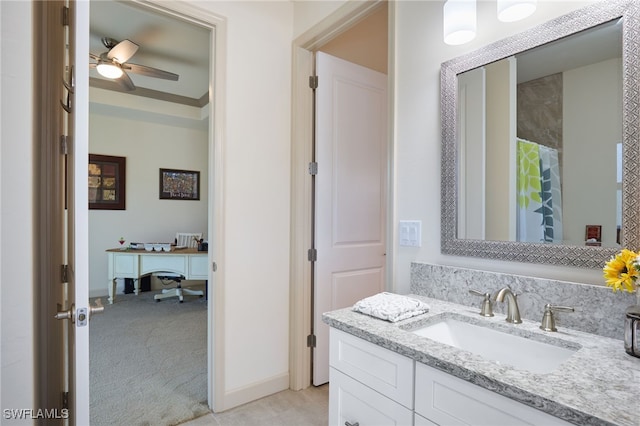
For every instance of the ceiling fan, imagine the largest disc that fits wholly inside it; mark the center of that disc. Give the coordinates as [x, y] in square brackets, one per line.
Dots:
[113, 64]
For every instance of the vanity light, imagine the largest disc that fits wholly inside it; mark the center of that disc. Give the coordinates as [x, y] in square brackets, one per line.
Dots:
[109, 70]
[515, 10]
[459, 21]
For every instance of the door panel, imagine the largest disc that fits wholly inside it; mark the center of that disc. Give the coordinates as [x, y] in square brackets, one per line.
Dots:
[356, 285]
[350, 217]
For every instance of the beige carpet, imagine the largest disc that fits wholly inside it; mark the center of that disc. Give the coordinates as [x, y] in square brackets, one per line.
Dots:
[148, 361]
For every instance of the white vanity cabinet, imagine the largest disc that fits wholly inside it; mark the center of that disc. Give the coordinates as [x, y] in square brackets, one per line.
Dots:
[448, 400]
[369, 385]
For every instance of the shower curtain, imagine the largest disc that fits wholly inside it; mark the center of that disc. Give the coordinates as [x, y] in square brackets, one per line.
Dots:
[539, 195]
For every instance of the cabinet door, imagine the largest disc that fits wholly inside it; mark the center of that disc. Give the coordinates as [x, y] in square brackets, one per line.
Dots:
[383, 370]
[448, 400]
[351, 403]
[418, 420]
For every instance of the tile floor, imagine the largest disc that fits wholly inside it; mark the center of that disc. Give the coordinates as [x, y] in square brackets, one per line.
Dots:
[309, 407]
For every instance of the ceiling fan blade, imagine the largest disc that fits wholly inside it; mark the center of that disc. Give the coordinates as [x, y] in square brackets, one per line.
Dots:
[94, 57]
[150, 72]
[125, 82]
[123, 51]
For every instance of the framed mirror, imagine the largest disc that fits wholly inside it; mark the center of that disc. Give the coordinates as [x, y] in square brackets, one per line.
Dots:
[541, 156]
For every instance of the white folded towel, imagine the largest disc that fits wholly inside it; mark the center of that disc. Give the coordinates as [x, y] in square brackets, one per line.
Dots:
[391, 307]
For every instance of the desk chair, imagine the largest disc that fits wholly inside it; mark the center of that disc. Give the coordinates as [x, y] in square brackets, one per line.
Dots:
[190, 240]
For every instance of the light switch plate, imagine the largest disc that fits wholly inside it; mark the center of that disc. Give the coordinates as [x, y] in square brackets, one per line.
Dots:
[410, 233]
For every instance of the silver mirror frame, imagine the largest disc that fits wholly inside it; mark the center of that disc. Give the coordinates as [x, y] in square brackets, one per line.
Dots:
[576, 256]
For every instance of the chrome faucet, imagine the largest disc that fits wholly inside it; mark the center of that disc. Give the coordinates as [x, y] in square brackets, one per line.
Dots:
[487, 307]
[513, 312]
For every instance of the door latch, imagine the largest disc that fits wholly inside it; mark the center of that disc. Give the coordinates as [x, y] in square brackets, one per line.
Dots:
[82, 315]
[69, 314]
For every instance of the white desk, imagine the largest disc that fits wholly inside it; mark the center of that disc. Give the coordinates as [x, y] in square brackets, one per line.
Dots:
[190, 263]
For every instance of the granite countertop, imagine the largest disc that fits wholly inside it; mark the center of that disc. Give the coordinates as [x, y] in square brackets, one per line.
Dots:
[598, 385]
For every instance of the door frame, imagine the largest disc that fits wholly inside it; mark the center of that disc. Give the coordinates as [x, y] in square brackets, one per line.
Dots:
[50, 335]
[217, 77]
[217, 24]
[300, 270]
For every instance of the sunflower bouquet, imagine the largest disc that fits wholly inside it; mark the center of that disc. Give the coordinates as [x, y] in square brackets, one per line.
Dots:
[622, 271]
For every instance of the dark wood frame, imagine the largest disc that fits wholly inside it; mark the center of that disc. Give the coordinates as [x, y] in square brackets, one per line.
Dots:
[593, 232]
[189, 180]
[118, 187]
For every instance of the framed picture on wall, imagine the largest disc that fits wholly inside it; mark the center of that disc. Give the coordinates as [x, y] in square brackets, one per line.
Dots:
[107, 183]
[593, 235]
[179, 184]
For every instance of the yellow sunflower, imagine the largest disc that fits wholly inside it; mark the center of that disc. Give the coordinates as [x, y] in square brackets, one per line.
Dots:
[621, 272]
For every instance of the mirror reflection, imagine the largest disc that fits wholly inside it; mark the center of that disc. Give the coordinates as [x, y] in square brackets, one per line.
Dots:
[539, 140]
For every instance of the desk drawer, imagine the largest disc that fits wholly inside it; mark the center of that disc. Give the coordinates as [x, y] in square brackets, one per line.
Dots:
[159, 262]
[125, 265]
[198, 268]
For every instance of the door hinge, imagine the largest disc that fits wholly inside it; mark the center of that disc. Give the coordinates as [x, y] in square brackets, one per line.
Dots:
[313, 82]
[313, 168]
[311, 341]
[65, 400]
[65, 16]
[64, 273]
[64, 146]
[214, 266]
[312, 255]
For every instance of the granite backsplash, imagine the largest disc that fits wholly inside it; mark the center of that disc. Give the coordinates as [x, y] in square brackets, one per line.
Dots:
[598, 309]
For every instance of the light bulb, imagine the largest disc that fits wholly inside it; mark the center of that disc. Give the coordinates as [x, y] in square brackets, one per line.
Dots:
[109, 70]
[459, 21]
[515, 10]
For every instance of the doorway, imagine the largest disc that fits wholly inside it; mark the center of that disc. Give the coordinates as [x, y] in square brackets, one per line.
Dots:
[339, 22]
[118, 120]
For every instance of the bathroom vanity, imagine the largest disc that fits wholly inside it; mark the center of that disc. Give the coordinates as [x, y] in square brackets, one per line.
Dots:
[388, 373]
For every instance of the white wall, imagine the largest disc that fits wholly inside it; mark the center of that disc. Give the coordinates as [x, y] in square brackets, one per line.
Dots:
[500, 156]
[256, 183]
[419, 52]
[592, 129]
[149, 141]
[471, 171]
[309, 13]
[17, 359]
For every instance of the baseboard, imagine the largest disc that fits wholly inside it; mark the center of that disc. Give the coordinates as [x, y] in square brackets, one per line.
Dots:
[237, 397]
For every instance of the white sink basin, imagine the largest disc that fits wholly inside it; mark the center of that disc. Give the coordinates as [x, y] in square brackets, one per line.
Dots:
[498, 346]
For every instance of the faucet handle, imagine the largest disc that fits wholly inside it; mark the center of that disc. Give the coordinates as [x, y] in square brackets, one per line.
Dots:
[548, 320]
[487, 308]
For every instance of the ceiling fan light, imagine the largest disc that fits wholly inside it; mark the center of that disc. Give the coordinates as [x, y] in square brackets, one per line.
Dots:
[109, 70]
[515, 10]
[459, 21]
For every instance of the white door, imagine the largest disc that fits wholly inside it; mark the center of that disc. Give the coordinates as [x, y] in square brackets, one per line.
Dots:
[350, 194]
[78, 215]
